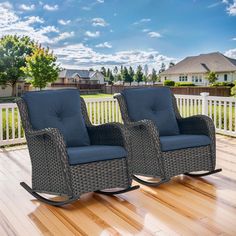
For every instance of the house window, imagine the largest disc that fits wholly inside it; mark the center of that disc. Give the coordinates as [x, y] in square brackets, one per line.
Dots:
[225, 77]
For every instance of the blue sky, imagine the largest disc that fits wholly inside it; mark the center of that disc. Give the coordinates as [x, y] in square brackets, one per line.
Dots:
[93, 33]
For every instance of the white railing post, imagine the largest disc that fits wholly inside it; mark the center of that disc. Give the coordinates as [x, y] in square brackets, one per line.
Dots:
[204, 103]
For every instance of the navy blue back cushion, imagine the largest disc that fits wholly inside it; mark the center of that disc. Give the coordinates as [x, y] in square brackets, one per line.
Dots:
[58, 109]
[153, 104]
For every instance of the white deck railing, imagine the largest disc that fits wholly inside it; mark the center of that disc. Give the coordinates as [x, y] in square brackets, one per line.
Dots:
[221, 109]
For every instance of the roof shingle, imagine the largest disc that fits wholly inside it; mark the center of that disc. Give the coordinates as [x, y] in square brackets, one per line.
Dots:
[203, 63]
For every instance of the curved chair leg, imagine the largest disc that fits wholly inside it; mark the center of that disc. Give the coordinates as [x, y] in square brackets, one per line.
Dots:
[45, 200]
[147, 183]
[119, 191]
[203, 174]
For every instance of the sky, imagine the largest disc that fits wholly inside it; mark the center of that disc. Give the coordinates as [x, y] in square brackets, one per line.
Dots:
[95, 33]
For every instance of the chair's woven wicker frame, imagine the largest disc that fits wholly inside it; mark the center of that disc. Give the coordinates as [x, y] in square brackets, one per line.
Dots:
[51, 172]
[147, 158]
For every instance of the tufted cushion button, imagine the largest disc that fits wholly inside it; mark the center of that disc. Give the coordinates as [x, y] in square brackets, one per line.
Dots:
[154, 104]
[58, 109]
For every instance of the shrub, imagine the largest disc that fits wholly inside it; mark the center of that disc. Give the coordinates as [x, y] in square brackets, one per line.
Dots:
[182, 84]
[233, 89]
[169, 83]
[229, 84]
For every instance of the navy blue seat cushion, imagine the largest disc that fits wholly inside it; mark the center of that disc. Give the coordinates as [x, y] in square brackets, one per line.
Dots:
[153, 104]
[58, 109]
[81, 155]
[175, 142]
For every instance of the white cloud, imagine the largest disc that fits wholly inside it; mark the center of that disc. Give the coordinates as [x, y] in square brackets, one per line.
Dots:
[49, 29]
[104, 45]
[225, 1]
[145, 30]
[231, 53]
[34, 19]
[6, 5]
[144, 20]
[50, 7]
[63, 36]
[100, 1]
[153, 34]
[11, 23]
[64, 22]
[80, 55]
[25, 7]
[234, 38]
[231, 9]
[99, 22]
[92, 34]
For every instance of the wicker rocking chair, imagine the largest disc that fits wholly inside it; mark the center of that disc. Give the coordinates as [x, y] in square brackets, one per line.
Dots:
[69, 155]
[163, 144]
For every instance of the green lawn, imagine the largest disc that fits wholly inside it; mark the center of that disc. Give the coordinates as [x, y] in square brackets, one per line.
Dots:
[98, 95]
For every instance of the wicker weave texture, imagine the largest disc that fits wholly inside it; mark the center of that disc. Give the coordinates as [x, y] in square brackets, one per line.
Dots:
[51, 172]
[147, 157]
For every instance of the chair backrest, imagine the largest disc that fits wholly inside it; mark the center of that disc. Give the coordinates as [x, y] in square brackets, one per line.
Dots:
[154, 104]
[58, 109]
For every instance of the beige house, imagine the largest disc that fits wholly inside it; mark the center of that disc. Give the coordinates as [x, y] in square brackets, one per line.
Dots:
[6, 91]
[194, 69]
[80, 76]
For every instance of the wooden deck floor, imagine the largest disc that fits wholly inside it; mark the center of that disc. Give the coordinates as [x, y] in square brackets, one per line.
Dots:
[184, 206]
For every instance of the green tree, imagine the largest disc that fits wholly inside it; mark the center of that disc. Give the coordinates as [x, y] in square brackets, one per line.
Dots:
[107, 75]
[139, 74]
[111, 78]
[125, 75]
[103, 71]
[163, 67]
[119, 77]
[233, 89]
[154, 76]
[13, 52]
[41, 68]
[146, 70]
[145, 78]
[115, 71]
[131, 74]
[211, 77]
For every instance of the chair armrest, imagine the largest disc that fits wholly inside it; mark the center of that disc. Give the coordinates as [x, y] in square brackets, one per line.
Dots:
[151, 128]
[152, 131]
[37, 143]
[107, 134]
[198, 124]
[52, 132]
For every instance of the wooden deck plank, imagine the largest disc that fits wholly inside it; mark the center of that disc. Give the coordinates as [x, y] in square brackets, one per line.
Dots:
[184, 206]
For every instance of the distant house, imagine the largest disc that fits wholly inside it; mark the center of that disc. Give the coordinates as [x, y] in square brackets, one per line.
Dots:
[80, 76]
[194, 69]
[6, 90]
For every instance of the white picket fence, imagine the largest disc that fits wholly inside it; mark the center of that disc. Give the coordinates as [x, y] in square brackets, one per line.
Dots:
[221, 109]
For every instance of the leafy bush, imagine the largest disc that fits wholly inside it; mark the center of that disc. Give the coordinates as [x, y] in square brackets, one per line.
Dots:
[169, 83]
[233, 89]
[229, 84]
[182, 84]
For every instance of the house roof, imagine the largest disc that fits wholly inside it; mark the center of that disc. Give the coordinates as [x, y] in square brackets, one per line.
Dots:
[203, 63]
[71, 73]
